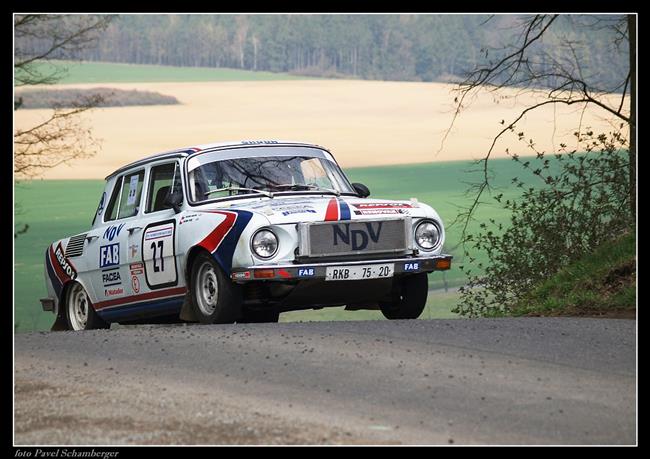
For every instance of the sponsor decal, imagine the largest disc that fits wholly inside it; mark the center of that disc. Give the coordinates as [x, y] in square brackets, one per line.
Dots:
[298, 210]
[135, 284]
[113, 291]
[109, 255]
[383, 205]
[283, 273]
[134, 249]
[241, 275]
[189, 218]
[111, 278]
[100, 207]
[411, 266]
[357, 239]
[113, 231]
[380, 211]
[64, 263]
[136, 268]
[306, 272]
[259, 142]
[158, 234]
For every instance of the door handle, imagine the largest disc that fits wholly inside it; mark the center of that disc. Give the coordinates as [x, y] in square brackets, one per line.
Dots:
[133, 228]
[91, 238]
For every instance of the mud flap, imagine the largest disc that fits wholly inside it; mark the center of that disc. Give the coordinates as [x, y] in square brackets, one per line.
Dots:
[60, 324]
[187, 313]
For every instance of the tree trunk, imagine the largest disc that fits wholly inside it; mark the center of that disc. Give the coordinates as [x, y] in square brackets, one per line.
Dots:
[631, 25]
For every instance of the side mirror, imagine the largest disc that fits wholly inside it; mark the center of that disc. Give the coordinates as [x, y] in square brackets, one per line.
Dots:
[361, 190]
[174, 200]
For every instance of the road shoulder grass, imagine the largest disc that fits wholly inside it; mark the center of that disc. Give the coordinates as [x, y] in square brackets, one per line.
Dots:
[601, 284]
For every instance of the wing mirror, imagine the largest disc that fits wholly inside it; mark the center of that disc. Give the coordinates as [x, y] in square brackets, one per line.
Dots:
[361, 189]
[174, 200]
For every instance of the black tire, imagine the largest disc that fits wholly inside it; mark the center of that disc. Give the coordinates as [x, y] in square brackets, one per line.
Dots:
[412, 298]
[79, 311]
[258, 317]
[224, 306]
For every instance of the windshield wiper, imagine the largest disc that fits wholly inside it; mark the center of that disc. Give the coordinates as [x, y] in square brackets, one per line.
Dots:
[302, 186]
[268, 194]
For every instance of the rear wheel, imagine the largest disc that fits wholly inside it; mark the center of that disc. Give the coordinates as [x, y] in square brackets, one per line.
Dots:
[214, 298]
[79, 311]
[410, 301]
[255, 317]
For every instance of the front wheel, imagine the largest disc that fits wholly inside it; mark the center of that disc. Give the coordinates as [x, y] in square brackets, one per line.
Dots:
[410, 301]
[79, 311]
[214, 298]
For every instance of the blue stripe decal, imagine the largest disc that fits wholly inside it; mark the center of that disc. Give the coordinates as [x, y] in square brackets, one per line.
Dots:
[164, 306]
[226, 249]
[50, 272]
[344, 210]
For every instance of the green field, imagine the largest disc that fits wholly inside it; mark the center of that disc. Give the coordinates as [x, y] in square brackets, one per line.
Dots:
[54, 209]
[105, 72]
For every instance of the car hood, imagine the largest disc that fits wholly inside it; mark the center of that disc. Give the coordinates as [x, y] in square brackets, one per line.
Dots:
[294, 209]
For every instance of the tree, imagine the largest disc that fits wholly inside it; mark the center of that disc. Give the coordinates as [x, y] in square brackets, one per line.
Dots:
[41, 40]
[563, 75]
[583, 199]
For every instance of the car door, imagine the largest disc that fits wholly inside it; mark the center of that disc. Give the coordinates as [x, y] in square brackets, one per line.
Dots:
[152, 248]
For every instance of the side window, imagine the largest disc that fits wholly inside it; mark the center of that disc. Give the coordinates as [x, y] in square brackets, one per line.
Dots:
[111, 209]
[164, 180]
[130, 195]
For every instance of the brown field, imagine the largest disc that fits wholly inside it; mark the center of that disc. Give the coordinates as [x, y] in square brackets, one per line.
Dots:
[362, 122]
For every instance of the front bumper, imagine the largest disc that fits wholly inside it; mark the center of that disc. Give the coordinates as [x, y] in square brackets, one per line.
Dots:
[303, 271]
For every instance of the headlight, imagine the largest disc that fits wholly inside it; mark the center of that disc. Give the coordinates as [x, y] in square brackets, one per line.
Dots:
[264, 243]
[427, 235]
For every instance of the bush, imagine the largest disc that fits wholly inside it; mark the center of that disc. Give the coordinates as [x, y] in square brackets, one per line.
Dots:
[583, 201]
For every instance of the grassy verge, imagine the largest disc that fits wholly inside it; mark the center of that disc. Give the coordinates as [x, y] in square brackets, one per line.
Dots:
[106, 72]
[602, 283]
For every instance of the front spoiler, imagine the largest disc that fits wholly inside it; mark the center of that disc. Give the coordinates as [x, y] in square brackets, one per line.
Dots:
[303, 271]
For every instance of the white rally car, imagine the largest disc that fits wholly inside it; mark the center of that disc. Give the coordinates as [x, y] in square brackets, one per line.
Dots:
[240, 232]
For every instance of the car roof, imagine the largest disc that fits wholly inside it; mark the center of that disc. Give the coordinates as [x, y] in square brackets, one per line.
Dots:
[182, 152]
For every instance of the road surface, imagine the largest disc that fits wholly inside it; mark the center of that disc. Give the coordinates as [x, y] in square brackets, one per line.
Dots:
[484, 381]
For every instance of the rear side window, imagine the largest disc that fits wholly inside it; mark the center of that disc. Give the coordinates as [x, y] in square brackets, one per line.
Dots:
[164, 180]
[130, 196]
[125, 200]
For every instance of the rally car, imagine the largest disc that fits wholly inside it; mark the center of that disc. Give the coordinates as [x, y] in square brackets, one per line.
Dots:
[240, 232]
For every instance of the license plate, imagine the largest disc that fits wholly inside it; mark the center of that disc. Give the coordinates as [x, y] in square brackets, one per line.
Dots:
[334, 273]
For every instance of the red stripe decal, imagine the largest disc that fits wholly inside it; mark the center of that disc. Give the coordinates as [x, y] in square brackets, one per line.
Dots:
[142, 297]
[284, 273]
[332, 213]
[63, 277]
[50, 254]
[212, 240]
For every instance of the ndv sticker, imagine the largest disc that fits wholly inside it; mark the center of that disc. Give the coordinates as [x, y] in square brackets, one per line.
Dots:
[109, 255]
[113, 231]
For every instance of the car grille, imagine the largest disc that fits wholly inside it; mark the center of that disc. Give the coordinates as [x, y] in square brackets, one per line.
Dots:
[75, 246]
[340, 238]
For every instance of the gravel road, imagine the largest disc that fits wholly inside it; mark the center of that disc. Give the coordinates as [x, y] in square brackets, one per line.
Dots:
[484, 381]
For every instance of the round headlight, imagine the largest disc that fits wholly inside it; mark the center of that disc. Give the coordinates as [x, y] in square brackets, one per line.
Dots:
[264, 243]
[427, 235]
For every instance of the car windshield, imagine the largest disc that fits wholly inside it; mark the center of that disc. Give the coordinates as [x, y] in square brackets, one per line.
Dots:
[265, 175]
